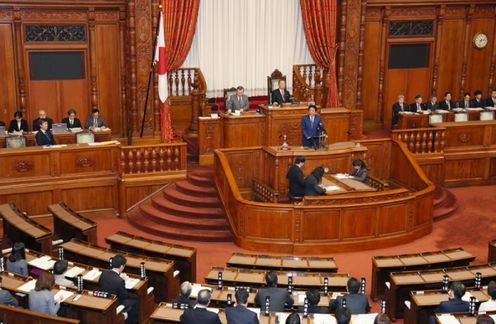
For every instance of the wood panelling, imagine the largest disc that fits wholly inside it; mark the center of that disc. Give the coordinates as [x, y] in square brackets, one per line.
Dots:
[7, 71]
[371, 68]
[358, 223]
[389, 222]
[321, 225]
[94, 197]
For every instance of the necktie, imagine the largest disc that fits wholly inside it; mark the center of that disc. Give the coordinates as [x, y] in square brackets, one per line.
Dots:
[70, 121]
[401, 106]
[95, 122]
[282, 95]
[466, 104]
[239, 98]
[448, 103]
[311, 120]
[418, 107]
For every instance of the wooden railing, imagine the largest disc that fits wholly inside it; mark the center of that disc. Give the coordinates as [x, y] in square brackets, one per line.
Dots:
[263, 192]
[308, 83]
[158, 158]
[422, 140]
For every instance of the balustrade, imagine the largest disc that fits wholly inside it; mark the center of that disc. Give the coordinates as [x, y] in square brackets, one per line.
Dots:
[152, 158]
[422, 140]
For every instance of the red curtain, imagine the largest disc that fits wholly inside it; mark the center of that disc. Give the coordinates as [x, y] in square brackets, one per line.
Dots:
[319, 22]
[180, 18]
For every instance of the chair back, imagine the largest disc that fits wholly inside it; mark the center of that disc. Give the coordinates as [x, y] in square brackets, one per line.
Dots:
[228, 92]
[273, 82]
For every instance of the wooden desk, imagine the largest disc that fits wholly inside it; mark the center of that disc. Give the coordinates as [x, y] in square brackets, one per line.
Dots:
[463, 318]
[16, 315]
[158, 271]
[421, 120]
[256, 278]
[184, 257]
[18, 227]
[88, 308]
[285, 263]
[382, 266]
[63, 138]
[68, 224]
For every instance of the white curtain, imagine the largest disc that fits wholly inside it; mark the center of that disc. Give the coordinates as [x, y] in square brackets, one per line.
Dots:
[240, 42]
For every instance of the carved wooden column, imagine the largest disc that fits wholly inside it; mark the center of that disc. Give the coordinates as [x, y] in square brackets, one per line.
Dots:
[466, 42]
[360, 55]
[20, 61]
[133, 120]
[439, 38]
[195, 105]
[492, 69]
[93, 85]
[342, 37]
[382, 64]
[122, 36]
[352, 43]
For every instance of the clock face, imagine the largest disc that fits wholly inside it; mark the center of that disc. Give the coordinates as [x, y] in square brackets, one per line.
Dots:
[480, 40]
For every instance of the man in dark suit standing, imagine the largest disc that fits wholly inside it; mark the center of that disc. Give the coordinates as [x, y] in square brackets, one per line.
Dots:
[240, 314]
[113, 283]
[279, 297]
[432, 104]
[447, 104]
[310, 125]
[478, 102]
[355, 302]
[491, 101]
[455, 304]
[281, 95]
[200, 314]
[41, 115]
[466, 102]
[71, 121]
[296, 178]
[44, 135]
[417, 106]
[398, 107]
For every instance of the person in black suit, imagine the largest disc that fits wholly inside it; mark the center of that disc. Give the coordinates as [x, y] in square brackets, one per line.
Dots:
[478, 102]
[18, 125]
[417, 106]
[398, 107]
[71, 121]
[296, 178]
[343, 315]
[44, 135]
[281, 95]
[357, 303]
[239, 314]
[447, 104]
[279, 297]
[293, 318]
[360, 171]
[313, 299]
[184, 293]
[200, 314]
[466, 102]
[491, 101]
[112, 282]
[313, 183]
[41, 115]
[432, 104]
[455, 304]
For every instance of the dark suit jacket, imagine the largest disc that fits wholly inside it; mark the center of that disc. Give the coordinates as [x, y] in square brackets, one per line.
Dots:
[276, 96]
[13, 126]
[474, 103]
[199, 315]
[361, 175]
[44, 138]
[413, 107]
[431, 106]
[444, 105]
[240, 315]
[490, 102]
[112, 283]
[356, 303]
[279, 297]
[453, 306]
[461, 104]
[396, 110]
[36, 124]
[75, 124]
[182, 300]
[314, 309]
[296, 181]
[312, 187]
[309, 130]
[89, 122]
[2, 123]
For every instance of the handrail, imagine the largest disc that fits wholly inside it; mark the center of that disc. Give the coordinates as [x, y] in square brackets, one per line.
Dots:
[152, 158]
[308, 83]
[422, 140]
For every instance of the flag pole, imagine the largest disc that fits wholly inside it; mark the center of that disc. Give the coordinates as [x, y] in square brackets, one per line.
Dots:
[150, 74]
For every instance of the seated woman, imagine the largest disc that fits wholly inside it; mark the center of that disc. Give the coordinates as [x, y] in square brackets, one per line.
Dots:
[16, 263]
[360, 171]
[41, 298]
[18, 125]
[313, 183]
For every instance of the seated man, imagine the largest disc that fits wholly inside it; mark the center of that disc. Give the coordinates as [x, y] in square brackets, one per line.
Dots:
[310, 125]
[239, 101]
[200, 314]
[490, 305]
[398, 107]
[478, 102]
[95, 120]
[357, 303]
[113, 283]
[343, 315]
[59, 268]
[41, 115]
[71, 121]
[6, 297]
[466, 102]
[184, 293]
[446, 104]
[455, 304]
[240, 314]
[433, 104]
[417, 106]
[279, 297]
[313, 299]
[18, 125]
[281, 95]
[296, 178]
[491, 101]
[44, 135]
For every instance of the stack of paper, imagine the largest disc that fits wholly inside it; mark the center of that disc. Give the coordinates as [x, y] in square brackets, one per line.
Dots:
[323, 319]
[363, 318]
[28, 286]
[92, 275]
[44, 263]
[332, 188]
[64, 293]
[447, 319]
[131, 282]
[73, 272]
[341, 176]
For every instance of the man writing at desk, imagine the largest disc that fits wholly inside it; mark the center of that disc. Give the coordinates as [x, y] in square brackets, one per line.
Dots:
[239, 101]
[281, 95]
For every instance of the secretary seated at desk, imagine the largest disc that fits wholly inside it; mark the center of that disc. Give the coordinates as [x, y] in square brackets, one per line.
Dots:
[44, 135]
[239, 101]
[95, 120]
[71, 120]
[281, 95]
[360, 171]
[313, 183]
[18, 125]
[309, 127]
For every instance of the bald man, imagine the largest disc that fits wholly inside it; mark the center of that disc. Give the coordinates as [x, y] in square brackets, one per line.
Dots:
[36, 122]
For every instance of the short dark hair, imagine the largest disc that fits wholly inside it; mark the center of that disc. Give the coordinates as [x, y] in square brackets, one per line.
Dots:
[477, 92]
[491, 289]
[241, 296]
[45, 281]
[313, 296]
[240, 88]
[299, 159]
[60, 267]
[466, 94]
[95, 110]
[71, 111]
[447, 93]
[18, 252]
[204, 296]
[343, 315]
[42, 121]
[293, 318]
[312, 106]
[18, 114]
[458, 289]
[118, 261]
[418, 96]
[382, 318]
[358, 162]
[353, 285]
[271, 279]
[484, 319]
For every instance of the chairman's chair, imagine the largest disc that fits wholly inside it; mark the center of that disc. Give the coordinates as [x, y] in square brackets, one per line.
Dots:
[85, 138]
[15, 141]
[273, 82]
[227, 94]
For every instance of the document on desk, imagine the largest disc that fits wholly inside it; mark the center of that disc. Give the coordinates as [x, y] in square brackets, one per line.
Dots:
[324, 319]
[332, 188]
[341, 176]
[196, 289]
[363, 318]
[28, 286]
[92, 275]
[447, 319]
[131, 282]
[73, 272]
[64, 293]
[43, 263]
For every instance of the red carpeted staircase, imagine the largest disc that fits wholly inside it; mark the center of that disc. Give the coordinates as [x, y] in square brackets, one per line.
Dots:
[188, 210]
[444, 203]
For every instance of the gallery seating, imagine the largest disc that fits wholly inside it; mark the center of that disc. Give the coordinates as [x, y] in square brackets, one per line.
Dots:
[68, 224]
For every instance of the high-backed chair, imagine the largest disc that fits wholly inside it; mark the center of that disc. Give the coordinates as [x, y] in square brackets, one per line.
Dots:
[15, 141]
[273, 82]
[227, 94]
